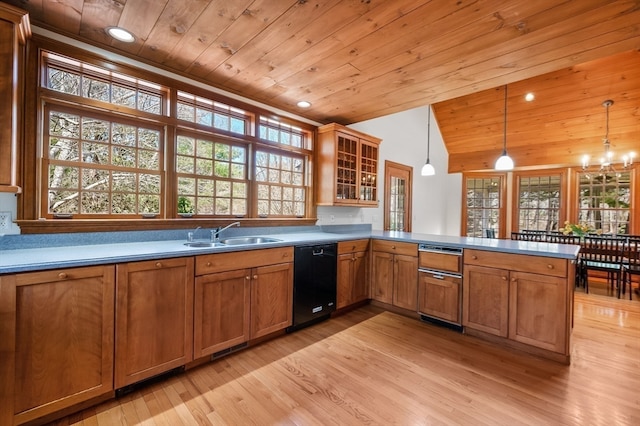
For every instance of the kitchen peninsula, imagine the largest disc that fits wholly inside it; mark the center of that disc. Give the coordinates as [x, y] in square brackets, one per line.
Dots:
[514, 293]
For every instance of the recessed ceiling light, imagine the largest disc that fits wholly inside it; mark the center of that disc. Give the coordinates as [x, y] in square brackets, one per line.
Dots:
[121, 34]
[529, 97]
[304, 104]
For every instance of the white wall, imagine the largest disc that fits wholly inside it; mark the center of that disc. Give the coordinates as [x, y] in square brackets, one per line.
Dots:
[436, 199]
[8, 204]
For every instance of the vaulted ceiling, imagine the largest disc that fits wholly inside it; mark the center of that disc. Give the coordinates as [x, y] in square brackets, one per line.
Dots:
[360, 59]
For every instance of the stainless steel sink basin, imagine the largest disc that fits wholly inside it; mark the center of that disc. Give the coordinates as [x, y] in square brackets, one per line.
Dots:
[248, 240]
[202, 244]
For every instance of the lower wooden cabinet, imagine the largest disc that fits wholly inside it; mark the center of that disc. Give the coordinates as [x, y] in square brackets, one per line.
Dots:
[352, 272]
[394, 277]
[527, 299]
[57, 345]
[154, 318]
[439, 296]
[238, 298]
[271, 299]
[221, 311]
[486, 299]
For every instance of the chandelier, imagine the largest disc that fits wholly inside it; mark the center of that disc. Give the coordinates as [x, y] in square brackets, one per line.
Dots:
[606, 161]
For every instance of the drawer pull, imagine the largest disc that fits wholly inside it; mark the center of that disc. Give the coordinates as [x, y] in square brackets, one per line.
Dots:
[474, 257]
[208, 264]
[550, 266]
[504, 278]
[158, 265]
[393, 247]
[247, 277]
[62, 276]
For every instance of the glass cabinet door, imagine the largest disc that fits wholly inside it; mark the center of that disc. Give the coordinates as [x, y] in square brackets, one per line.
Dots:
[347, 168]
[368, 172]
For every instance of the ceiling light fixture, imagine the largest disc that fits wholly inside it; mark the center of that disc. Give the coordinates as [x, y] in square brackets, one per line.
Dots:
[121, 34]
[606, 161]
[427, 169]
[304, 104]
[504, 162]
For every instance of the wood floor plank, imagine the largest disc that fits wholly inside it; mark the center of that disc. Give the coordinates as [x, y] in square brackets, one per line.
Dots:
[371, 367]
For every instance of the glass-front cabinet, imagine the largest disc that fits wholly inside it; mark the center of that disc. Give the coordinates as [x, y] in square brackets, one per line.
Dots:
[347, 167]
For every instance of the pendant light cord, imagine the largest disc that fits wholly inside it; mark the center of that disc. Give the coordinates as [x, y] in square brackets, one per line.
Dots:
[428, 131]
[504, 139]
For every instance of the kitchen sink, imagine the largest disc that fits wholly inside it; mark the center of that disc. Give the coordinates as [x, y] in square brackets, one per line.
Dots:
[248, 240]
[202, 244]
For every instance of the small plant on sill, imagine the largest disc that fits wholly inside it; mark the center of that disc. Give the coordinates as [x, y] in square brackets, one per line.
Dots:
[185, 207]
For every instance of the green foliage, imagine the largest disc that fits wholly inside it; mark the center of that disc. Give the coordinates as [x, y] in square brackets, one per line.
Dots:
[184, 205]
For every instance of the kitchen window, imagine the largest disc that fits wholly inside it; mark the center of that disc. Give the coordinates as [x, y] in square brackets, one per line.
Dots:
[484, 205]
[118, 146]
[97, 166]
[539, 201]
[604, 201]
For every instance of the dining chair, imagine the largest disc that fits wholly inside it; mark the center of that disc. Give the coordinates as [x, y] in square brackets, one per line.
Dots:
[598, 253]
[630, 264]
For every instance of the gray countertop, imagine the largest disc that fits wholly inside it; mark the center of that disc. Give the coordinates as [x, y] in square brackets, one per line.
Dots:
[65, 256]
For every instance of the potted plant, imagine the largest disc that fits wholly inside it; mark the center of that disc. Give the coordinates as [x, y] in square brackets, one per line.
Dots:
[185, 207]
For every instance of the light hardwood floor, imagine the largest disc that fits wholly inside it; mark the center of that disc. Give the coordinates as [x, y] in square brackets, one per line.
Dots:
[378, 368]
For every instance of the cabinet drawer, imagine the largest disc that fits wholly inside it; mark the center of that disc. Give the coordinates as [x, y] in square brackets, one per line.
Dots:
[517, 262]
[352, 246]
[407, 249]
[440, 261]
[220, 262]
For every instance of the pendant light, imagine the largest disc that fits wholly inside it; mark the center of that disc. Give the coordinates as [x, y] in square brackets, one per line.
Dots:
[427, 169]
[504, 162]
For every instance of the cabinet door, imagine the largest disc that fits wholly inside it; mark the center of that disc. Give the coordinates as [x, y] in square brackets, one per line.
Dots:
[538, 311]
[346, 169]
[439, 296]
[382, 277]
[56, 348]
[360, 277]
[485, 299]
[154, 318]
[405, 283]
[271, 299]
[352, 279]
[368, 179]
[344, 281]
[221, 311]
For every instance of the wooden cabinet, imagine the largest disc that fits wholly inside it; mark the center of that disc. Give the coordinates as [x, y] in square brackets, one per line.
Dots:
[57, 342]
[221, 311]
[347, 167]
[394, 277]
[439, 296]
[526, 299]
[14, 32]
[154, 318]
[486, 299]
[238, 298]
[352, 271]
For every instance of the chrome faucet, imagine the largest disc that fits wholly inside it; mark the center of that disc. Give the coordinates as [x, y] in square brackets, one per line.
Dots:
[215, 235]
[191, 234]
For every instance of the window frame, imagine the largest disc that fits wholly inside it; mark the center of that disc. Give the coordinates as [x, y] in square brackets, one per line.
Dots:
[502, 218]
[564, 194]
[37, 95]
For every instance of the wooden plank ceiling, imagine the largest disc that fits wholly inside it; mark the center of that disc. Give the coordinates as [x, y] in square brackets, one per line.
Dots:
[360, 59]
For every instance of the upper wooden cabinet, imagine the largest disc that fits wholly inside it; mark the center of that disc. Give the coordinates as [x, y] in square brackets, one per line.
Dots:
[14, 32]
[347, 167]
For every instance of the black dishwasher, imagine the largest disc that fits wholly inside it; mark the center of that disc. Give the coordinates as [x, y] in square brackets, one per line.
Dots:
[314, 284]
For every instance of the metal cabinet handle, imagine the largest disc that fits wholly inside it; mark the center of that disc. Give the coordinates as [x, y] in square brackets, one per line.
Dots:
[393, 247]
[158, 265]
[474, 257]
[208, 263]
[504, 278]
[248, 277]
[550, 266]
[62, 276]
[255, 277]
